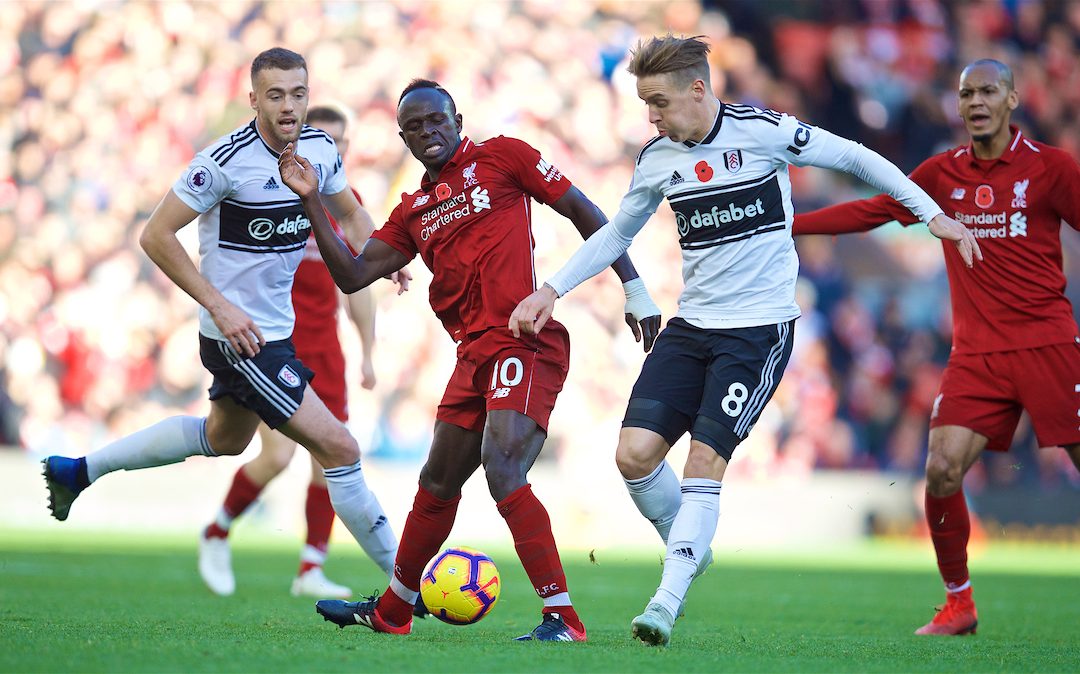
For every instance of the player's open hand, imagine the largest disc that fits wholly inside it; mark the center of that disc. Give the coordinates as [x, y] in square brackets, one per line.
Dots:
[297, 172]
[401, 277]
[945, 228]
[640, 310]
[238, 329]
[533, 312]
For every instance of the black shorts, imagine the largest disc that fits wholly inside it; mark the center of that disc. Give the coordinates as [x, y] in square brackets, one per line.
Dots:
[714, 383]
[271, 384]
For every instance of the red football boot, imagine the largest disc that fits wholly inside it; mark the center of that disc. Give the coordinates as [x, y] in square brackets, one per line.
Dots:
[956, 617]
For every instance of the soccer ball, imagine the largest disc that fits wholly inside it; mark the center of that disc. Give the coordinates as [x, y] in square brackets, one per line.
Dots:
[460, 586]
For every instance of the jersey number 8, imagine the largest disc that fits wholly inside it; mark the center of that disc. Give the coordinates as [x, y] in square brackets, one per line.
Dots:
[732, 403]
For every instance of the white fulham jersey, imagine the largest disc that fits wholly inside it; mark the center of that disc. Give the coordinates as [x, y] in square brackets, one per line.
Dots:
[731, 195]
[253, 230]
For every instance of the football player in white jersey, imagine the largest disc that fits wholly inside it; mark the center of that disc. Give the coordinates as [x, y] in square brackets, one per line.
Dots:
[723, 169]
[252, 232]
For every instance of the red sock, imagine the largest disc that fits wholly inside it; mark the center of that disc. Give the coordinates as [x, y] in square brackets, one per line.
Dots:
[426, 529]
[950, 528]
[531, 528]
[242, 493]
[320, 520]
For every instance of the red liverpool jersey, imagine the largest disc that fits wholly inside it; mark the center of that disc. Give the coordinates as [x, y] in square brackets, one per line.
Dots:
[315, 297]
[472, 227]
[1014, 298]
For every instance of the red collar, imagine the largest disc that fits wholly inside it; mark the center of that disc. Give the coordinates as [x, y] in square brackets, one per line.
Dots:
[426, 183]
[1007, 156]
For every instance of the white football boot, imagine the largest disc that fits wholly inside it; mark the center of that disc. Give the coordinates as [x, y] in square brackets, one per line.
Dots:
[314, 583]
[215, 565]
[654, 625]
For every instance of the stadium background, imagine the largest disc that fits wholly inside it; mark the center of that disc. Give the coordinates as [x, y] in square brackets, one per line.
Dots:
[103, 103]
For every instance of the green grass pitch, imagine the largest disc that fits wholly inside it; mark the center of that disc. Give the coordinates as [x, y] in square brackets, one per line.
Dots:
[76, 602]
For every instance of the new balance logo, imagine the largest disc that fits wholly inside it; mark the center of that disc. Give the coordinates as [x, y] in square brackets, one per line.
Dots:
[271, 184]
[500, 393]
[687, 553]
[676, 179]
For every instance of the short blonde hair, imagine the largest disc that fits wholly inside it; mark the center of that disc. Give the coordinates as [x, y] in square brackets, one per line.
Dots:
[685, 57]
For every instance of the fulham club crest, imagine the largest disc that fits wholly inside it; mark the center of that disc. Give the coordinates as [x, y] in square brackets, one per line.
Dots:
[288, 376]
[733, 160]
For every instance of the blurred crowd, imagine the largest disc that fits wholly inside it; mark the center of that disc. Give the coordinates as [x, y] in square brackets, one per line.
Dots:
[102, 104]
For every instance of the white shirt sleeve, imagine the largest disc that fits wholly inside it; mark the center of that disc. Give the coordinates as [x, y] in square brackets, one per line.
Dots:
[335, 180]
[806, 145]
[598, 252]
[203, 184]
[609, 242]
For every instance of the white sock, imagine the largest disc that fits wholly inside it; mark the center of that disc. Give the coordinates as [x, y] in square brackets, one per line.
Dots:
[691, 535]
[657, 497]
[312, 555]
[561, 599]
[223, 519]
[358, 508]
[405, 594]
[958, 588]
[168, 441]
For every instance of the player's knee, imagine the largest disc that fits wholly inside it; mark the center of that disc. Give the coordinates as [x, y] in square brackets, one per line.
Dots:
[337, 448]
[505, 473]
[440, 483]
[943, 477]
[634, 461]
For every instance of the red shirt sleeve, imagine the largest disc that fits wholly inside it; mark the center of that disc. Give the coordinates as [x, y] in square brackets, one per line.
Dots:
[537, 177]
[1066, 192]
[864, 214]
[394, 232]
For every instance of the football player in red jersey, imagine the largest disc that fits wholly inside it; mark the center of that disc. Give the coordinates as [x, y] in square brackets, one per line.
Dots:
[470, 223]
[1012, 193]
[315, 300]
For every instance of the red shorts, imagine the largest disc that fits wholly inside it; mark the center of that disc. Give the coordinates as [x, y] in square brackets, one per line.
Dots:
[328, 364]
[495, 371]
[986, 392]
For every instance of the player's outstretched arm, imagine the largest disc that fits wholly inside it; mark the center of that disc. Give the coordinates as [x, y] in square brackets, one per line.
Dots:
[831, 151]
[852, 216]
[159, 241]
[640, 312]
[376, 260]
[356, 223]
[597, 253]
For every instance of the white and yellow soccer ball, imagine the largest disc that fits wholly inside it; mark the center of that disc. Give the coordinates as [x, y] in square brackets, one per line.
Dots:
[460, 586]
